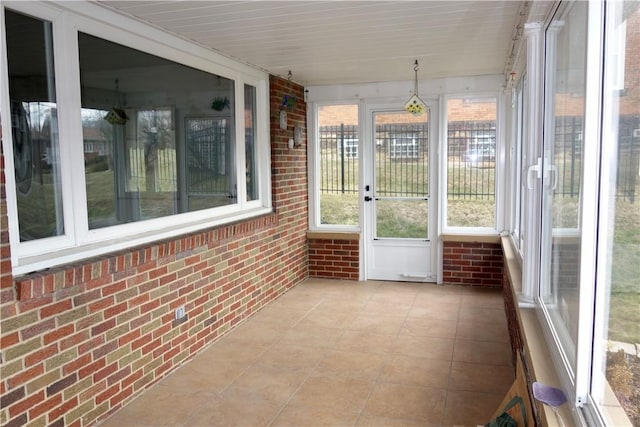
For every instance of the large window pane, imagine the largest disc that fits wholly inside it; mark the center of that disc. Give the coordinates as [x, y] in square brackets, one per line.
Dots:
[34, 126]
[471, 156]
[339, 152]
[563, 151]
[617, 377]
[158, 136]
[250, 145]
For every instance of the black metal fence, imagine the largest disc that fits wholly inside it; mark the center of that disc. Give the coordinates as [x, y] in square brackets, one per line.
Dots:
[471, 156]
[339, 152]
[568, 156]
[402, 160]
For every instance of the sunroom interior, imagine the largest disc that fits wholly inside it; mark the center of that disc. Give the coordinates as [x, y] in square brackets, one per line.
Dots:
[319, 213]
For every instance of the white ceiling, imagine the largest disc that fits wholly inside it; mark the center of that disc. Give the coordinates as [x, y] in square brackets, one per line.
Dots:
[333, 42]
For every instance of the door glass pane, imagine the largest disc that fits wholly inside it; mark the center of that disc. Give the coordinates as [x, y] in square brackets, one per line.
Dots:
[617, 369]
[34, 126]
[158, 136]
[397, 218]
[471, 166]
[401, 188]
[562, 171]
[339, 153]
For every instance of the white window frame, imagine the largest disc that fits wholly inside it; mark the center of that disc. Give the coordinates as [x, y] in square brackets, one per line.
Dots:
[499, 165]
[516, 148]
[79, 242]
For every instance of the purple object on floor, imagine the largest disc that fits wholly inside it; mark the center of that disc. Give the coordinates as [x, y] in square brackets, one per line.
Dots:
[549, 395]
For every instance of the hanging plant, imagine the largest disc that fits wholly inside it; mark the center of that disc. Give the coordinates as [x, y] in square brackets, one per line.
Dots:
[219, 103]
[289, 102]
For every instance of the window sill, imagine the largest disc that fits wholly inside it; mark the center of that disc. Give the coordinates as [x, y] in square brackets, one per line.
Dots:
[467, 238]
[31, 264]
[333, 235]
[538, 360]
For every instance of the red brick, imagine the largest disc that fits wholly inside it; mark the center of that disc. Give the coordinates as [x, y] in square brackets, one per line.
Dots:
[74, 340]
[105, 372]
[76, 364]
[90, 369]
[9, 340]
[25, 404]
[25, 376]
[40, 355]
[58, 334]
[63, 409]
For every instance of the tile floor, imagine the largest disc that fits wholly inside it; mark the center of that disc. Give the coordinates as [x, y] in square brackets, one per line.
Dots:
[340, 353]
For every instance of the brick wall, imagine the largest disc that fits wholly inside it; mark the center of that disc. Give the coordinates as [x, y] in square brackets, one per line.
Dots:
[472, 264]
[334, 258]
[80, 341]
[510, 307]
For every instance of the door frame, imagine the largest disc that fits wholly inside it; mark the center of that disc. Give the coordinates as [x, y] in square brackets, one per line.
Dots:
[367, 170]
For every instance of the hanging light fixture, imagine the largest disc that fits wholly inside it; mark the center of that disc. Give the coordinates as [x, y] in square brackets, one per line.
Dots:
[415, 105]
[117, 116]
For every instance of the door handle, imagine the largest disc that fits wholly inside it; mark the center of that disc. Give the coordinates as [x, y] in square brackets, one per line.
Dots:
[537, 169]
[367, 198]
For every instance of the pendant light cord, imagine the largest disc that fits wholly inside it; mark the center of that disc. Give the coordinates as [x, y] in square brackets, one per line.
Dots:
[416, 67]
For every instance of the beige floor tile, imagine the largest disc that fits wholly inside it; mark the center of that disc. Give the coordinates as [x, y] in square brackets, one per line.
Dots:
[158, 409]
[386, 308]
[313, 416]
[342, 395]
[483, 314]
[395, 296]
[309, 335]
[235, 408]
[427, 347]
[204, 379]
[435, 310]
[404, 401]
[291, 357]
[416, 371]
[346, 303]
[429, 327]
[229, 350]
[482, 352]
[481, 378]
[373, 421]
[328, 318]
[482, 331]
[470, 408]
[377, 323]
[274, 384]
[279, 316]
[256, 333]
[439, 295]
[364, 341]
[349, 364]
[490, 298]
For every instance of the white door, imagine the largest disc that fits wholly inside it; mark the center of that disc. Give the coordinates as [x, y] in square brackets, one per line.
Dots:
[399, 196]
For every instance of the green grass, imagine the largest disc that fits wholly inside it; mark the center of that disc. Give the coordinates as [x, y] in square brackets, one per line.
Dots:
[624, 314]
[624, 317]
[341, 209]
